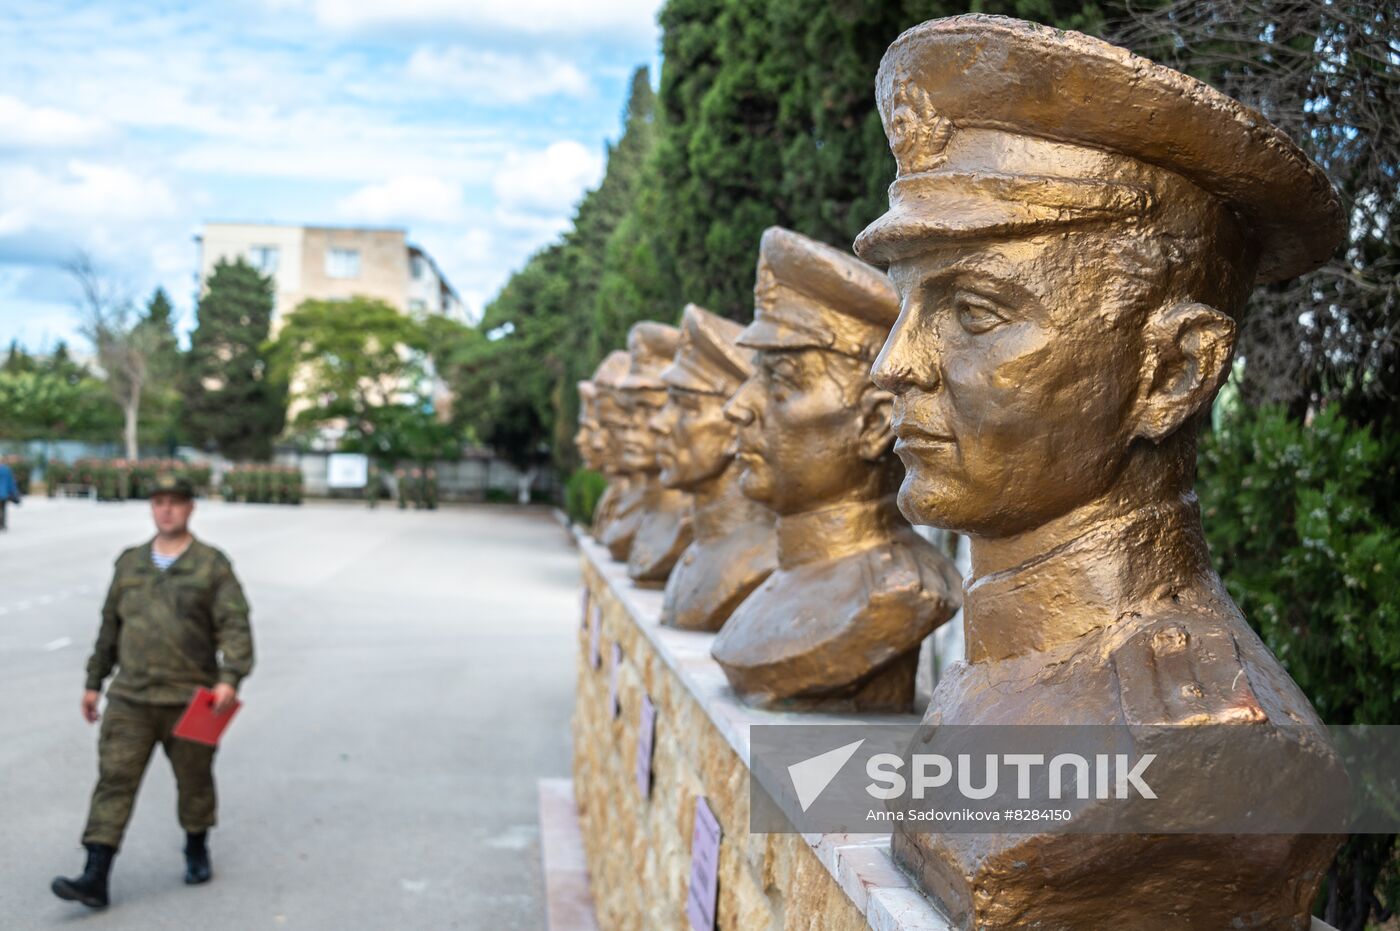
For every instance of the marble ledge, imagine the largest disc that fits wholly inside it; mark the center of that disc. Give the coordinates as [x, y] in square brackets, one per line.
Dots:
[860, 863]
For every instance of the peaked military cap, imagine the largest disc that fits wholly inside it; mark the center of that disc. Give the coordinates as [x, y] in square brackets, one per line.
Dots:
[168, 483]
[612, 370]
[650, 346]
[709, 359]
[811, 296]
[1001, 127]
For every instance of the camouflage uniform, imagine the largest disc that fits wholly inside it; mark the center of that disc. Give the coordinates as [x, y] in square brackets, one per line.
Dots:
[430, 489]
[372, 486]
[167, 633]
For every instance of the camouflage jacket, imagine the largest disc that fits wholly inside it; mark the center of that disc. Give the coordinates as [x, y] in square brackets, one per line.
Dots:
[170, 631]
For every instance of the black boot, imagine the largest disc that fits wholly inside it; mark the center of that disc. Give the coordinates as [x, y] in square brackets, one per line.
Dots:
[196, 858]
[91, 887]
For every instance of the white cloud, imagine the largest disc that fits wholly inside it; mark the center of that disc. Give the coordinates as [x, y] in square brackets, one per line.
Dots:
[402, 199]
[491, 77]
[83, 194]
[631, 18]
[26, 126]
[546, 183]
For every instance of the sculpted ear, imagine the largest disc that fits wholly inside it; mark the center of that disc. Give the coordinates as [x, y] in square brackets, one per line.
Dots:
[1187, 359]
[876, 432]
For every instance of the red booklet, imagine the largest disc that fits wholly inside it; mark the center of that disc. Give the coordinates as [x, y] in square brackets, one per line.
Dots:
[199, 722]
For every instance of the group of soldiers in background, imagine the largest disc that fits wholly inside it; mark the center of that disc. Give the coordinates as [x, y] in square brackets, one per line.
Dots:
[262, 484]
[417, 486]
[121, 479]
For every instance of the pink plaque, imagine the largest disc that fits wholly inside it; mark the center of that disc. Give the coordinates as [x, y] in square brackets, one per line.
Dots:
[646, 736]
[613, 701]
[704, 869]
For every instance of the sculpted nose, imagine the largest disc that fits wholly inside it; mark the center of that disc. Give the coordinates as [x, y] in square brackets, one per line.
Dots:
[736, 409]
[901, 364]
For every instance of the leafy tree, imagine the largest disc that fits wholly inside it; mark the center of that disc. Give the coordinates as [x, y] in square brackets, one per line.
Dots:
[362, 368]
[232, 403]
[42, 404]
[541, 332]
[1304, 525]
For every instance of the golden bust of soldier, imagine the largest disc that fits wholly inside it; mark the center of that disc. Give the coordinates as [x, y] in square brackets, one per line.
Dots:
[1074, 232]
[839, 623]
[663, 531]
[620, 509]
[734, 547]
[175, 619]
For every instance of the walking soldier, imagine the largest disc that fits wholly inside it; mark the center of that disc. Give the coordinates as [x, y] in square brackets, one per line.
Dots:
[175, 619]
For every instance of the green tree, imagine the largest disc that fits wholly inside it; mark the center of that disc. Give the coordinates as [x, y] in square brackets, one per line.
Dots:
[363, 369]
[231, 401]
[542, 331]
[52, 397]
[160, 416]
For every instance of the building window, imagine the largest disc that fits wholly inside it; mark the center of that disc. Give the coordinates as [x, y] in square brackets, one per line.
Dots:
[343, 263]
[420, 268]
[417, 305]
[263, 258]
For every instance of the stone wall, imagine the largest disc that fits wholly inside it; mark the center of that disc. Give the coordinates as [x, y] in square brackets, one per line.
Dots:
[638, 848]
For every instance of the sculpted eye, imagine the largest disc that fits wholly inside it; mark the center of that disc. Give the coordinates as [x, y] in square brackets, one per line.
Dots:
[975, 313]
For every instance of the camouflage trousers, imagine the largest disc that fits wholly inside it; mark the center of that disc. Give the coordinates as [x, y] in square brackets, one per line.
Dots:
[130, 731]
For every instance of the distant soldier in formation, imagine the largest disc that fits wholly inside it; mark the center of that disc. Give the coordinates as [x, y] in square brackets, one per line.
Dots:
[372, 486]
[430, 488]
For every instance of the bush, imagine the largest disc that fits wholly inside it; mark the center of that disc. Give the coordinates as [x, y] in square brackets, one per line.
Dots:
[581, 494]
[1304, 525]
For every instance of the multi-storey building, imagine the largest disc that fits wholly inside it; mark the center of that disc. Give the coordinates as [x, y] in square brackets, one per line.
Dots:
[335, 263]
[331, 263]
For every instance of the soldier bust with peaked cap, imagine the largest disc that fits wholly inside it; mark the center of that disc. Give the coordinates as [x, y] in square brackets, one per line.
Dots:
[663, 529]
[734, 547]
[1074, 232]
[618, 513]
[839, 623]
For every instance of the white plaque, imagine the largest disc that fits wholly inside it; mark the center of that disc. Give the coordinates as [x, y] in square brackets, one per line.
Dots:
[704, 869]
[595, 639]
[646, 738]
[613, 673]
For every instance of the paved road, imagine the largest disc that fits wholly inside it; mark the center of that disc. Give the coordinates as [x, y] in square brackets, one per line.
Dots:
[414, 680]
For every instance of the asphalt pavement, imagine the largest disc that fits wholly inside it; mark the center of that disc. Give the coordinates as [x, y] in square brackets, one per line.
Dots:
[414, 680]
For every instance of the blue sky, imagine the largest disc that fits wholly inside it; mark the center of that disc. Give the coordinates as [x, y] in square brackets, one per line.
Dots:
[124, 125]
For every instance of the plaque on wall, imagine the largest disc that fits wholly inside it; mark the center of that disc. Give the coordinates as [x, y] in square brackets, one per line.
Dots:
[646, 737]
[595, 635]
[704, 869]
[613, 702]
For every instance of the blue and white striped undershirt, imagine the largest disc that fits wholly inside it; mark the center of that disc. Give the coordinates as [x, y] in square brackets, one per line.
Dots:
[163, 561]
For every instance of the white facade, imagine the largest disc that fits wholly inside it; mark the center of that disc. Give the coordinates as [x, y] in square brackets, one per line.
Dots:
[333, 263]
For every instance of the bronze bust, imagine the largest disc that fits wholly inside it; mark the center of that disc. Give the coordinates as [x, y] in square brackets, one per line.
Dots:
[1074, 232]
[619, 511]
[734, 547]
[839, 623]
[663, 529]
